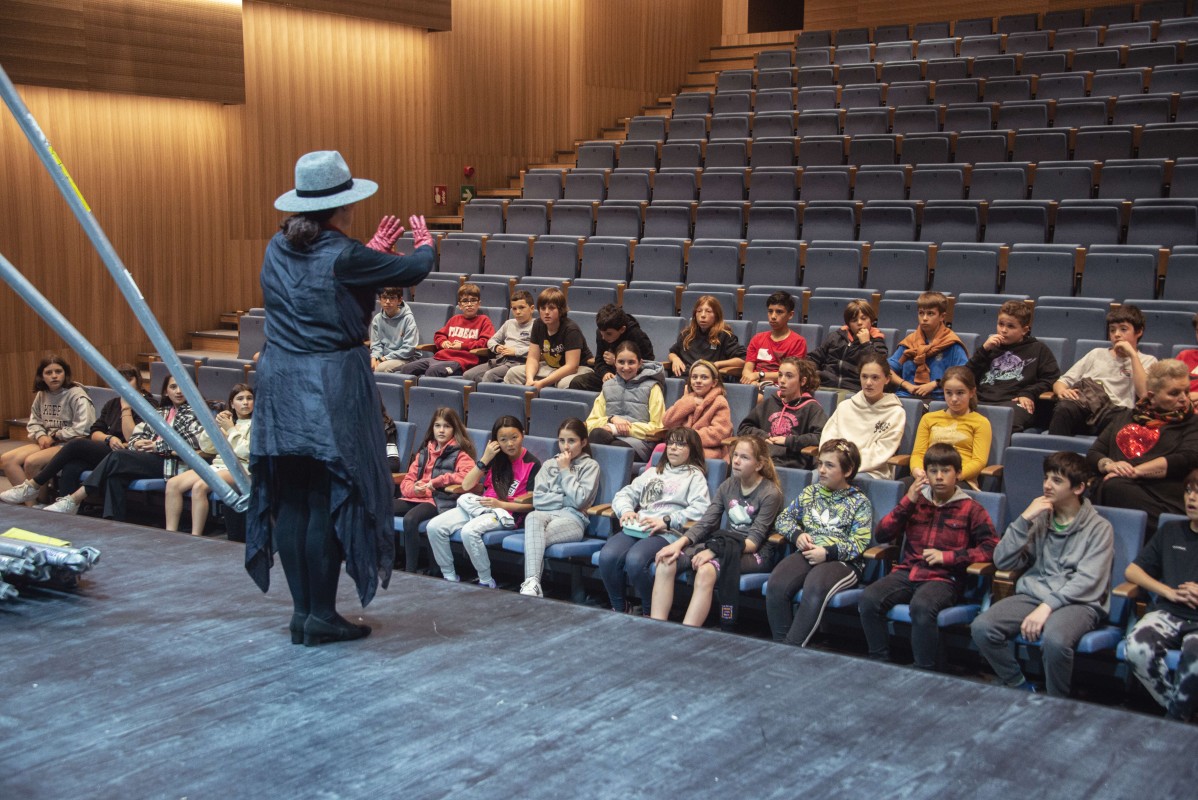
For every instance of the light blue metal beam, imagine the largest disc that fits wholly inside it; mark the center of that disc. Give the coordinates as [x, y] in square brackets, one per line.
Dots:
[124, 281]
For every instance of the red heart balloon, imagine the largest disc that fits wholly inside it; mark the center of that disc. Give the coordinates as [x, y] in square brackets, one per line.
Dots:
[1136, 440]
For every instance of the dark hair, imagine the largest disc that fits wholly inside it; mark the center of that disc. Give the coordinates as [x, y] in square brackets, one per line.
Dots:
[1073, 467]
[450, 417]
[629, 346]
[781, 298]
[502, 474]
[577, 427]
[165, 401]
[855, 307]
[691, 438]
[39, 383]
[1126, 313]
[692, 330]
[301, 230]
[847, 455]
[1191, 481]
[965, 376]
[611, 317]
[808, 374]
[236, 390]
[392, 291]
[521, 294]
[553, 296]
[941, 454]
[1019, 310]
[874, 357]
[130, 372]
[934, 300]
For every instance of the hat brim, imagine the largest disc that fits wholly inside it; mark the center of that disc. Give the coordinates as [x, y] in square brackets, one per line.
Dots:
[362, 188]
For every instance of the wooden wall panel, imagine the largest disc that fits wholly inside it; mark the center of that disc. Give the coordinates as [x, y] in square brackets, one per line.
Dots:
[855, 13]
[185, 189]
[433, 15]
[171, 48]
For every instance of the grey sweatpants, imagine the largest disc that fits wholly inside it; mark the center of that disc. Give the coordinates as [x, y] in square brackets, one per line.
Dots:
[543, 528]
[472, 519]
[1154, 635]
[994, 629]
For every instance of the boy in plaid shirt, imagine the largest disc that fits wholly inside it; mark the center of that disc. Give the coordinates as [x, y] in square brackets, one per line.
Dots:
[943, 531]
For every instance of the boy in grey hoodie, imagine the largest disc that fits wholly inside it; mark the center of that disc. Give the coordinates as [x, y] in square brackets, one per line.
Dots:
[1066, 549]
[393, 334]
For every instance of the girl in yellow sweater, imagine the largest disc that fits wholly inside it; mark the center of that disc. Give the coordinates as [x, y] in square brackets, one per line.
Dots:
[959, 425]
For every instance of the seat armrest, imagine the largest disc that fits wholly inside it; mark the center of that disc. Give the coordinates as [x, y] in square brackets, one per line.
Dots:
[1127, 590]
[900, 460]
[776, 538]
[882, 552]
[810, 450]
[980, 569]
[428, 348]
[601, 510]
[993, 470]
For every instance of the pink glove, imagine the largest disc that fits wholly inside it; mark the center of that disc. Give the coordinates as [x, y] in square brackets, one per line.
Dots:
[385, 237]
[420, 234]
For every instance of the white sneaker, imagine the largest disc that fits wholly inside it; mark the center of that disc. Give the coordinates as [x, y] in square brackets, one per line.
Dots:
[21, 494]
[531, 587]
[64, 505]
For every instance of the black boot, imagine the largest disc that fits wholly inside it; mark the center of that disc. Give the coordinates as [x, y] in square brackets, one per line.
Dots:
[319, 631]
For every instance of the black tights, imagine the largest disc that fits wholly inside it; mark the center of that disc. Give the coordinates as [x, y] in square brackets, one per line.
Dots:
[303, 532]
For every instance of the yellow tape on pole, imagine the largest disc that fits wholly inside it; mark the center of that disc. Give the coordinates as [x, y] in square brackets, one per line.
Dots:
[67, 175]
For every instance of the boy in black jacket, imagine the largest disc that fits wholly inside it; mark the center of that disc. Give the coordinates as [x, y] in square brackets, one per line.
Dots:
[791, 419]
[1012, 367]
[613, 326]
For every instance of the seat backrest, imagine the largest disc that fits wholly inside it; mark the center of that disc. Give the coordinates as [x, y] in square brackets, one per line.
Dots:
[251, 335]
[615, 471]
[483, 408]
[995, 504]
[1130, 525]
[423, 402]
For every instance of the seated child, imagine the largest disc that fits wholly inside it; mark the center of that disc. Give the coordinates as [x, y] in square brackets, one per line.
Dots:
[703, 408]
[658, 502]
[791, 419]
[837, 358]
[707, 338]
[767, 349]
[509, 344]
[1168, 567]
[872, 419]
[629, 408]
[1120, 372]
[829, 525]
[462, 334]
[942, 531]
[959, 425]
[507, 471]
[1012, 367]
[613, 327]
[920, 360]
[393, 334]
[751, 498]
[557, 350]
[1066, 548]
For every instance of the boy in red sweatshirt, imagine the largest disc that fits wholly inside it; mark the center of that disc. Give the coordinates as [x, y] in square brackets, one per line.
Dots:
[457, 338]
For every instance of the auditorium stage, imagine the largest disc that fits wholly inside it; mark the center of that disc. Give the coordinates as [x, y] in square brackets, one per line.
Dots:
[169, 675]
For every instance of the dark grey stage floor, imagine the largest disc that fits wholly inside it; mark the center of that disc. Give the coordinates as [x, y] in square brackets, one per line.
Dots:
[169, 675]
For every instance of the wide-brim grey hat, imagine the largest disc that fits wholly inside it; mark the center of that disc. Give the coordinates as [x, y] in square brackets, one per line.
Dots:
[323, 180]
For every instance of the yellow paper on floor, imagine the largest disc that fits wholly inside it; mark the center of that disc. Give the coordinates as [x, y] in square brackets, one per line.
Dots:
[36, 538]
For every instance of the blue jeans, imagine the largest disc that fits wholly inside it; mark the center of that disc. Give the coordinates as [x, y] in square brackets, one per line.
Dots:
[628, 558]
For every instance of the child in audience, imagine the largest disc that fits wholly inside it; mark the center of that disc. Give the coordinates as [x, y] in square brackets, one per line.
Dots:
[565, 488]
[557, 350]
[509, 344]
[234, 423]
[751, 498]
[457, 339]
[1012, 367]
[629, 409]
[872, 419]
[1168, 567]
[767, 349]
[828, 524]
[613, 327]
[442, 459]
[959, 425]
[942, 531]
[704, 409]
[791, 419]
[707, 338]
[147, 456]
[507, 472]
[921, 359]
[61, 411]
[1190, 359]
[838, 357]
[1104, 381]
[652, 511]
[1066, 548]
[393, 334]
[109, 432]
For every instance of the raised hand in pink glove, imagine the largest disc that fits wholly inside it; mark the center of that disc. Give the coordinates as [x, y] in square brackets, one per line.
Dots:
[390, 229]
[420, 234]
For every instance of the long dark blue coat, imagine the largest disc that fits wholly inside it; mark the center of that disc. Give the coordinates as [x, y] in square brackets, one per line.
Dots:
[315, 396]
